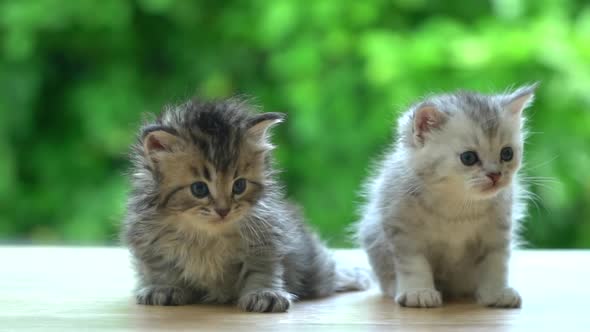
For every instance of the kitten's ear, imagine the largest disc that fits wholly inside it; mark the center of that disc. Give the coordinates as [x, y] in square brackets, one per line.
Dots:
[520, 99]
[426, 118]
[159, 139]
[258, 127]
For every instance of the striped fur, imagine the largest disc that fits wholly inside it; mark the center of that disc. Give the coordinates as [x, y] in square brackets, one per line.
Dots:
[261, 255]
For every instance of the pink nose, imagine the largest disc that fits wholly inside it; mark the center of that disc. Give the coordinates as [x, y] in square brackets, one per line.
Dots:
[494, 177]
[222, 212]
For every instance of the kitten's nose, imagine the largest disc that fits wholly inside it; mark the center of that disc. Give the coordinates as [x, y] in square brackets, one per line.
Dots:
[494, 177]
[222, 212]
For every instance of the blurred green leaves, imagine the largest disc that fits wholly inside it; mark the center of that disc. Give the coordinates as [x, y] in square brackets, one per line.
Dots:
[76, 77]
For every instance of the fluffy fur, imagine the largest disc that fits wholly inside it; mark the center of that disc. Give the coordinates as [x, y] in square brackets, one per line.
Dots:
[244, 245]
[435, 227]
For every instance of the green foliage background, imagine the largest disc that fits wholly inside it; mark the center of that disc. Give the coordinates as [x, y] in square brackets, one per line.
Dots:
[75, 77]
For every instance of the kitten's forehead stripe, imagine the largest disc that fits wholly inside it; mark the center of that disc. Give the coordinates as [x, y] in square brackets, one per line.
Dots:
[222, 129]
[484, 111]
[481, 111]
[206, 173]
[201, 143]
[217, 129]
[195, 172]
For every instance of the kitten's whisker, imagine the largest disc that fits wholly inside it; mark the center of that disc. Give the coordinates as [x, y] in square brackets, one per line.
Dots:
[536, 132]
[542, 182]
[527, 169]
[532, 197]
[542, 185]
[540, 179]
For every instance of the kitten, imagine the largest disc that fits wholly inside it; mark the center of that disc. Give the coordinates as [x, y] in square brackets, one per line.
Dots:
[446, 199]
[207, 221]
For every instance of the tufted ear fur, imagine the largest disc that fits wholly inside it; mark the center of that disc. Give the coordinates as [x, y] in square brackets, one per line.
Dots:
[158, 140]
[426, 119]
[520, 99]
[258, 128]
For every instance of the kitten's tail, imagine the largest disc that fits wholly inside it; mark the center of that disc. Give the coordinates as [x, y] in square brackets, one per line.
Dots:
[351, 279]
[330, 273]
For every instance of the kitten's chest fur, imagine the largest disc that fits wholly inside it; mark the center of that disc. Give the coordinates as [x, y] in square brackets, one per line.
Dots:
[454, 236]
[211, 263]
[450, 243]
[202, 261]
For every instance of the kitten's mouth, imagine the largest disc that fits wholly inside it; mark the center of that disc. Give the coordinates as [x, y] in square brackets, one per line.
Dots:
[492, 188]
[220, 220]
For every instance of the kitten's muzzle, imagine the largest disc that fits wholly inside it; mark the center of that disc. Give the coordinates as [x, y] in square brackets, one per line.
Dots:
[222, 212]
[495, 177]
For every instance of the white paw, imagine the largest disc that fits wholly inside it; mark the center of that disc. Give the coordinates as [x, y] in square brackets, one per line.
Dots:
[265, 300]
[504, 298]
[419, 298]
[355, 279]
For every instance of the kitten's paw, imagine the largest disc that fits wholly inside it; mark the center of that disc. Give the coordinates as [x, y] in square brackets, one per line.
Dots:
[355, 279]
[162, 295]
[265, 300]
[419, 298]
[505, 298]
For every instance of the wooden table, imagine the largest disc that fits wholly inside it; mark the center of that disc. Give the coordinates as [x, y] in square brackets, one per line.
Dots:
[89, 289]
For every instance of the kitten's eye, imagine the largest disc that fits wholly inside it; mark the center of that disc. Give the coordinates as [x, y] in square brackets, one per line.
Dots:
[200, 189]
[506, 154]
[469, 158]
[239, 186]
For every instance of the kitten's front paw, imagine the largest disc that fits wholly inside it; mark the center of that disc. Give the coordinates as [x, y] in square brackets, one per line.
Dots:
[162, 295]
[505, 298]
[265, 300]
[419, 298]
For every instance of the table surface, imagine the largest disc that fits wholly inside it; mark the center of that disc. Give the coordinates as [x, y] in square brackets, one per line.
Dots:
[89, 289]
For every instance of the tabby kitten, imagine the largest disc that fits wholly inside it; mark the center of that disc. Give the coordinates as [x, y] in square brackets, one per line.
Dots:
[445, 201]
[207, 222]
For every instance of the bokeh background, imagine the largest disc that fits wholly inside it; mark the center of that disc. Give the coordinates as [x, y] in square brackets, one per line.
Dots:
[75, 77]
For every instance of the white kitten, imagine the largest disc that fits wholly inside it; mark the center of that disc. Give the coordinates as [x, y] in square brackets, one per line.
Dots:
[443, 205]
